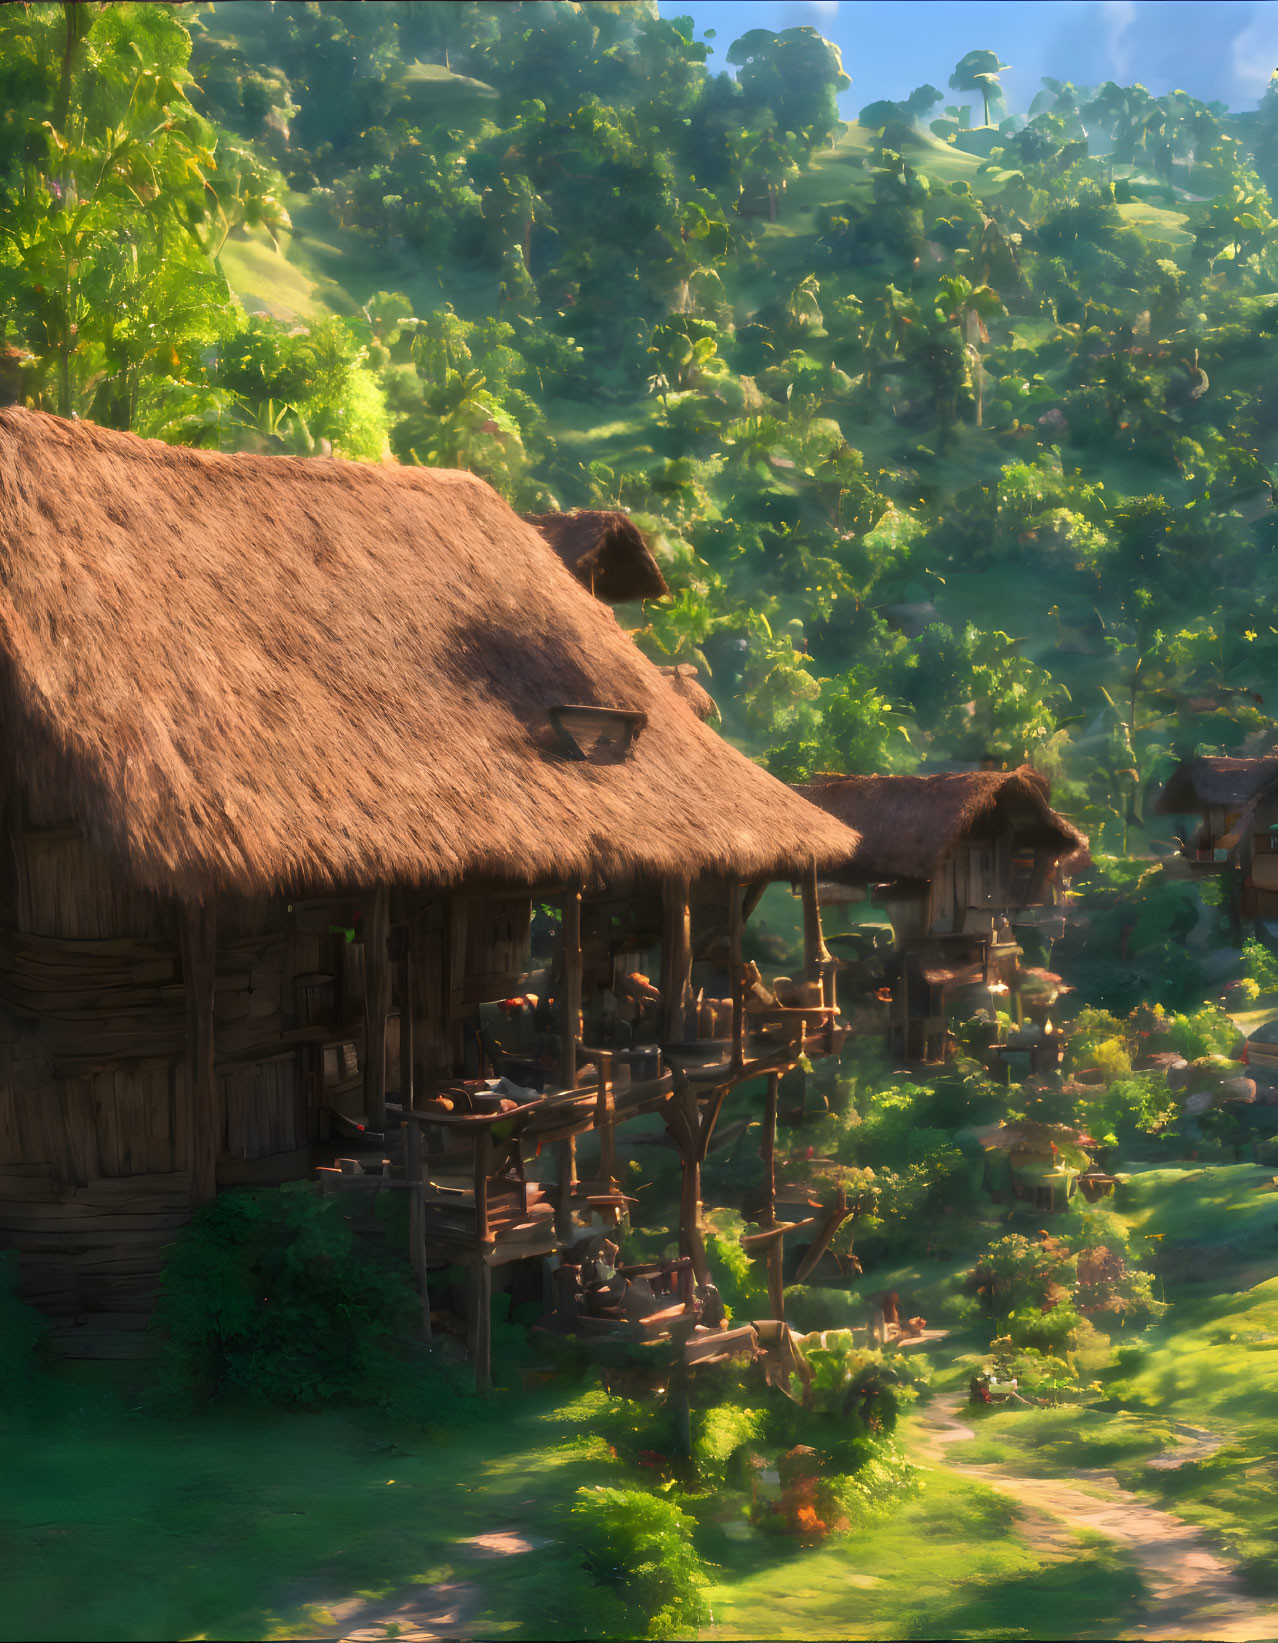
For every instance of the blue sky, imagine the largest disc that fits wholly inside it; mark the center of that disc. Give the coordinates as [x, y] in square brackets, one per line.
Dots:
[1218, 50]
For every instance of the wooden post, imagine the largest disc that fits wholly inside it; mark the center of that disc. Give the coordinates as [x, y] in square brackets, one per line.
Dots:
[199, 956]
[605, 1121]
[483, 1169]
[415, 1175]
[776, 1278]
[571, 1031]
[676, 960]
[735, 966]
[406, 1002]
[816, 955]
[479, 1306]
[566, 1179]
[377, 984]
[767, 1150]
[690, 1240]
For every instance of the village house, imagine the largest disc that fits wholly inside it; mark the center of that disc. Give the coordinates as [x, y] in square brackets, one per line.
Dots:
[302, 760]
[1229, 813]
[953, 860]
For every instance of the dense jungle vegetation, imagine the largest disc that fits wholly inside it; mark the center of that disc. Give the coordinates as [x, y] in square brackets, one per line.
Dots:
[953, 431]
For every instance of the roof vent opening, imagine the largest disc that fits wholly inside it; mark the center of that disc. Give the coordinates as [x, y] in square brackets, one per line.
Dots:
[597, 735]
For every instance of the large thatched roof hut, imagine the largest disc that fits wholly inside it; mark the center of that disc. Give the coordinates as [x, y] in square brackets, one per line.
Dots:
[249, 673]
[259, 716]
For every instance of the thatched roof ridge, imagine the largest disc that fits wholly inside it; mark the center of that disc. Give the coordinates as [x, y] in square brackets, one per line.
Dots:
[907, 823]
[1199, 782]
[261, 673]
[606, 552]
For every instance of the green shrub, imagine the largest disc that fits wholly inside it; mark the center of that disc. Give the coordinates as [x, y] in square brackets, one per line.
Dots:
[270, 1294]
[641, 1545]
[720, 1433]
[810, 1308]
[1140, 1103]
[857, 1499]
[1260, 965]
[1111, 1056]
[24, 1334]
[1205, 1031]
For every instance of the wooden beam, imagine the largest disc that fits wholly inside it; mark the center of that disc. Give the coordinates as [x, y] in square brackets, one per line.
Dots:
[377, 991]
[199, 962]
[754, 895]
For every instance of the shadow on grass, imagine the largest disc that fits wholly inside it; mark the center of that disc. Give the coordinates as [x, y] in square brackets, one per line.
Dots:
[249, 1524]
[1077, 1599]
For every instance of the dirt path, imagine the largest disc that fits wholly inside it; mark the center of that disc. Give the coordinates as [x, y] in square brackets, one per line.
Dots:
[1194, 1593]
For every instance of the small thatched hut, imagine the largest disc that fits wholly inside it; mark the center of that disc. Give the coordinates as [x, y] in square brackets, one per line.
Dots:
[265, 720]
[954, 857]
[605, 550]
[1235, 805]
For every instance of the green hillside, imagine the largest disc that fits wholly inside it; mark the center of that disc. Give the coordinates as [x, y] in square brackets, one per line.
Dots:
[956, 446]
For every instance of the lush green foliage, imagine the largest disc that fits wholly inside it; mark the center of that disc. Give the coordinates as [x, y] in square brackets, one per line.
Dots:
[269, 1294]
[641, 1545]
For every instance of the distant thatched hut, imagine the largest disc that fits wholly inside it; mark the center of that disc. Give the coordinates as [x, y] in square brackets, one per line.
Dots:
[953, 857]
[261, 715]
[605, 550]
[1235, 803]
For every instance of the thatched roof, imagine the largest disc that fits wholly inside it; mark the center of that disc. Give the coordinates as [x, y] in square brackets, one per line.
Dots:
[1200, 782]
[682, 678]
[605, 551]
[907, 823]
[258, 673]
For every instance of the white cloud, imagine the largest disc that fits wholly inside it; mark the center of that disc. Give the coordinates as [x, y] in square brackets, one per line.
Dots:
[1119, 16]
[1255, 51]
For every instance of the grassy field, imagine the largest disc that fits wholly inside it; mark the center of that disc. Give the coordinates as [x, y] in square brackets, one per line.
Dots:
[949, 1564]
[1209, 1368]
[254, 1525]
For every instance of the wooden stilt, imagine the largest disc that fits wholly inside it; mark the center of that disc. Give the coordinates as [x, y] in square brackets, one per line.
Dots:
[204, 1125]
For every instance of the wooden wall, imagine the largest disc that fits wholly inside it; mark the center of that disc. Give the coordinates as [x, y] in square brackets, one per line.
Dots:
[98, 1122]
